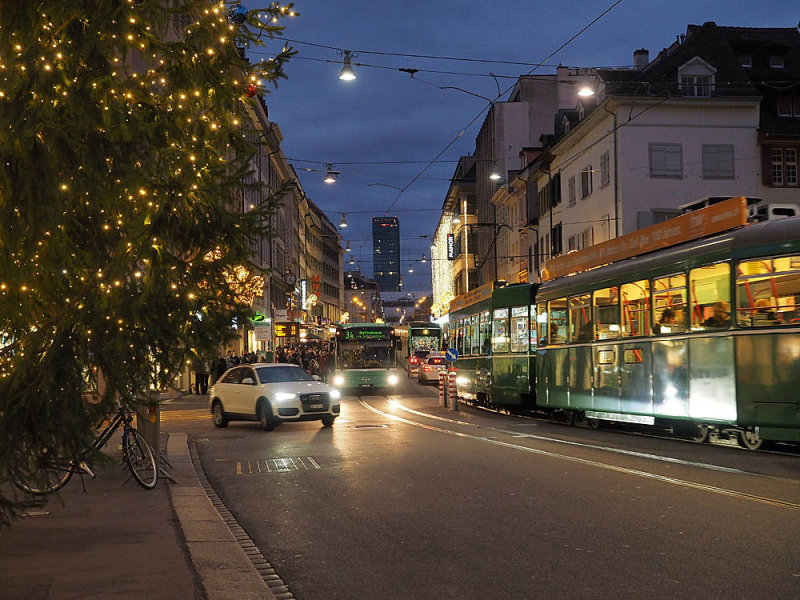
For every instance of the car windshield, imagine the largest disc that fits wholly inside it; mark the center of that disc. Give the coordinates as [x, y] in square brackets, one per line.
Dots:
[282, 373]
[421, 353]
[366, 357]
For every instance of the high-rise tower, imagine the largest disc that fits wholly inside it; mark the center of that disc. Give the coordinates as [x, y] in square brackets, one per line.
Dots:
[386, 253]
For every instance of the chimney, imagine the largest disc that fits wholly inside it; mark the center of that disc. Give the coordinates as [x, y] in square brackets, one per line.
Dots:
[641, 58]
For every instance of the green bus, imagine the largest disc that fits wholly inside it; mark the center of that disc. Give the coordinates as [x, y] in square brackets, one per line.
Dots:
[417, 338]
[365, 358]
[653, 340]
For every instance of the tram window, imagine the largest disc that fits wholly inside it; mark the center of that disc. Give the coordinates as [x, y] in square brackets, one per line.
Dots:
[768, 291]
[710, 297]
[633, 356]
[532, 322]
[669, 304]
[606, 313]
[475, 334]
[541, 323]
[635, 308]
[605, 357]
[558, 321]
[500, 330]
[486, 328]
[580, 322]
[519, 329]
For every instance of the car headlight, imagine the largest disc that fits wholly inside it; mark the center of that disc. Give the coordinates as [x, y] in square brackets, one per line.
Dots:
[338, 380]
[284, 397]
[392, 379]
[335, 394]
[461, 381]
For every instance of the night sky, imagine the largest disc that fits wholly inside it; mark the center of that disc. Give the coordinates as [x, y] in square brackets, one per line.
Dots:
[388, 127]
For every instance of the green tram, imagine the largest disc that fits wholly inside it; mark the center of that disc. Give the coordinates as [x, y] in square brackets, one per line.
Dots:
[651, 340]
[365, 357]
[494, 328]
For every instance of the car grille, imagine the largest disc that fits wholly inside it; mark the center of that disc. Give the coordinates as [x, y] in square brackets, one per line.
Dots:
[314, 402]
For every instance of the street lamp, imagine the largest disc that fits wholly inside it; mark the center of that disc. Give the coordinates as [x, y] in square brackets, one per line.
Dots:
[330, 176]
[347, 73]
[343, 222]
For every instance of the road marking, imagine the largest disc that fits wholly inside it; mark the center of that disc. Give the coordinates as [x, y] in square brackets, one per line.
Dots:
[276, 465]
[543, 438]
[593, 463]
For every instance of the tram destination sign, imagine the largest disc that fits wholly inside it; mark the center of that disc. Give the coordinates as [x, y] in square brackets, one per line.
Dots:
[729, 214]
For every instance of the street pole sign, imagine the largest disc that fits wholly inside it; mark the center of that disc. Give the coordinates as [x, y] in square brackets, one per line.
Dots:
[451, 354]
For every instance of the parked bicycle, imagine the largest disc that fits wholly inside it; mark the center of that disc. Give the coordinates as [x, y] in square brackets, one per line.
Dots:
[48, 473]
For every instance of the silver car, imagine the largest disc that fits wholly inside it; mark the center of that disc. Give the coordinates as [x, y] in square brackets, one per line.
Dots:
[429, 369]
[272, 393]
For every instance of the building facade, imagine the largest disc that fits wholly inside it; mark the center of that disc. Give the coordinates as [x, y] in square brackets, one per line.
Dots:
[386, 253]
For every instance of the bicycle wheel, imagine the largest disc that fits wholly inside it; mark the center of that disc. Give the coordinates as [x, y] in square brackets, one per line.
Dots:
[40, 474]
[139, 456]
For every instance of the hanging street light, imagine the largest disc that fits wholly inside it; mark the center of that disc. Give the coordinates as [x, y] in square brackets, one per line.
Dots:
[348, 249]
[347, 73]
[330, 176]
[343, 223]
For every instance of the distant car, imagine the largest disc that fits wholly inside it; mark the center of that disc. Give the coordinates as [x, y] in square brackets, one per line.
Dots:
[272, 393]
[415, 360]
[430, 369]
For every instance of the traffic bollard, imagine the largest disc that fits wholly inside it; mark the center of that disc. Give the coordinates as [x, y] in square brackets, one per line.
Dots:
[442, 386]
[452, 392]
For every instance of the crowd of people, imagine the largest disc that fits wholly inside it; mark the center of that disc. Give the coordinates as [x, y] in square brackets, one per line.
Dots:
[315, 357]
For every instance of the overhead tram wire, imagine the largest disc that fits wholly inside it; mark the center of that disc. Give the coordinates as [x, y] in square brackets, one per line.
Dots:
[458, 136]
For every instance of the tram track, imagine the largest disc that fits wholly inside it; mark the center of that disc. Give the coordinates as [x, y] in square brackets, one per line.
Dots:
[713, 440]
[589, 462]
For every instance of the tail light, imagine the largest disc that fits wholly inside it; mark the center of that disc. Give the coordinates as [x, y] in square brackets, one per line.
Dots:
[427, 368]
[413, 360]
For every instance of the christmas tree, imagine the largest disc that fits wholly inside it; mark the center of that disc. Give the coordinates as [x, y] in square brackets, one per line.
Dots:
[123, 148]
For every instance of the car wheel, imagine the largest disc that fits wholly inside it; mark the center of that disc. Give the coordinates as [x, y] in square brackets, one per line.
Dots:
[327, 420]
[264, 413]
[218, 415]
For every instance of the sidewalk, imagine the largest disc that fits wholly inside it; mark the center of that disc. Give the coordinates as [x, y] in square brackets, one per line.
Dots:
[167, 543]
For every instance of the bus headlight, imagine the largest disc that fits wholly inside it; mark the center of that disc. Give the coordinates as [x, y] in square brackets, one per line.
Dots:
[392, 379]
[338, 380]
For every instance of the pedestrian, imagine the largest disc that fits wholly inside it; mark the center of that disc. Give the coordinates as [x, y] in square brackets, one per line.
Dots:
[219, 368]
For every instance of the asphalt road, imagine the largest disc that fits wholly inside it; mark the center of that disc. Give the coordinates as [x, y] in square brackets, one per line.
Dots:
[402, 499]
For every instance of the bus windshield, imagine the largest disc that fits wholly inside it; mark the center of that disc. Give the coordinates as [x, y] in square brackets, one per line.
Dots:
[365, 356]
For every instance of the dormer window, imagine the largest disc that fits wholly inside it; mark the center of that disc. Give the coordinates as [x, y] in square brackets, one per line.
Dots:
[565, 123]
[696, 78]
[745, 60]
[775, 62]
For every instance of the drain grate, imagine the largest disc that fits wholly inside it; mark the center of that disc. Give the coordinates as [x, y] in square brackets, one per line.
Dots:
[276, 465]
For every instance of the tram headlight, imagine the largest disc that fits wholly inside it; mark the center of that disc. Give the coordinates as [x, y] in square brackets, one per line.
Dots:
[338, 380]
[393, 379]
